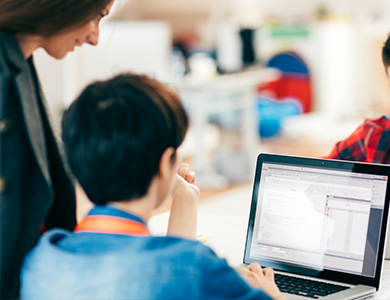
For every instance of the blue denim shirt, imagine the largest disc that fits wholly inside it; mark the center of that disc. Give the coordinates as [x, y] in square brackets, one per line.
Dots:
[85, 265]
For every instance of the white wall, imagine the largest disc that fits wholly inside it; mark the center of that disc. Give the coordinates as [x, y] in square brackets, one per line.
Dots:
[125, 46]
[336, 52]
[142, 47]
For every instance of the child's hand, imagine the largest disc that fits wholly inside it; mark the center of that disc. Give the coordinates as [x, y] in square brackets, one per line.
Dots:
[185, 188]
[186, 174]
[184, 210]
[258, 277]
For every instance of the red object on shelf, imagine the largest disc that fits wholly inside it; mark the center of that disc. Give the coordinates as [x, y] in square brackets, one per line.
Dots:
[294, 82]
[290, 87]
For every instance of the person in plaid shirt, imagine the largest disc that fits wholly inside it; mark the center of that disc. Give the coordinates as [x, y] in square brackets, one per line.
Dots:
[370, 142]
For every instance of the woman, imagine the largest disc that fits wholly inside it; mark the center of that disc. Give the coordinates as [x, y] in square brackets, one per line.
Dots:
[35, 189]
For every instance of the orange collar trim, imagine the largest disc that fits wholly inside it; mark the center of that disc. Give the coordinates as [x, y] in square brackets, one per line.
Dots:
[111, 225]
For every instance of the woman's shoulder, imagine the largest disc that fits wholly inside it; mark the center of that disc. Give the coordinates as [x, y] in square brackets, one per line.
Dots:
[7, 40]
[10, 52]
[5, 36]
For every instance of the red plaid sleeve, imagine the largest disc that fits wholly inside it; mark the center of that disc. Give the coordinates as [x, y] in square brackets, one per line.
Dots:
[368, 143]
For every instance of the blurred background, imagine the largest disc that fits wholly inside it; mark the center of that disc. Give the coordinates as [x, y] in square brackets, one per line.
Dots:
[278, 76]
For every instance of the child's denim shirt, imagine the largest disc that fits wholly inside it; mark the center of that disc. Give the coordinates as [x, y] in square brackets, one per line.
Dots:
[91, 265]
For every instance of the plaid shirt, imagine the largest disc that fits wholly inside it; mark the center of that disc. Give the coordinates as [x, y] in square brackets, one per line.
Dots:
[370, 142]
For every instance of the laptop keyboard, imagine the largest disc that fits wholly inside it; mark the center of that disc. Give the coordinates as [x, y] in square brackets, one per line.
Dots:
[306, 287]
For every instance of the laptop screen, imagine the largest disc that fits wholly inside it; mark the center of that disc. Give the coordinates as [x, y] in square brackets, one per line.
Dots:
[317, 215]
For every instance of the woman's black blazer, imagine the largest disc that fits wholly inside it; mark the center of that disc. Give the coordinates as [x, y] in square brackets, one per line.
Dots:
[34, 185]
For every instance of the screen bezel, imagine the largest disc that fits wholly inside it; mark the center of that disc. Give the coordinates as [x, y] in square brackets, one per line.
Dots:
[354, 167]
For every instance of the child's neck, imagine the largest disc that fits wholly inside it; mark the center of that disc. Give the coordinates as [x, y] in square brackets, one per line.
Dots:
[142, 207]
[138, 207]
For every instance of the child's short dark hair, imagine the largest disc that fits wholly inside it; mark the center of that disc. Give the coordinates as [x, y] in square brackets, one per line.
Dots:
[115, 133]
[386, 53]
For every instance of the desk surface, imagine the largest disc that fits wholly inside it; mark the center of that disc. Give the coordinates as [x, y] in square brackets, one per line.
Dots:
[225, 218]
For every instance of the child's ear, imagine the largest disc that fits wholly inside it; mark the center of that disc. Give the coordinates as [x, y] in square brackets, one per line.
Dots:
[167, 163]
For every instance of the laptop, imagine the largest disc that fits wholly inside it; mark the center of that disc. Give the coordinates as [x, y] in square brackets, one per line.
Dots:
[387, 249]
[320, 224]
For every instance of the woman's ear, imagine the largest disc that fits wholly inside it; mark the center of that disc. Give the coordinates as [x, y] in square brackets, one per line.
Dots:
[167, 163]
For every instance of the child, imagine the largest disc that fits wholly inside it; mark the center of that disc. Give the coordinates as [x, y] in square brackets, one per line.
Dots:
[121, 138]
[370, 142]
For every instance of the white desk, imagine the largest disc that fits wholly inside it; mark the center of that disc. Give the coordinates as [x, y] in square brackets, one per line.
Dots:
[225, 93]
[225, 219]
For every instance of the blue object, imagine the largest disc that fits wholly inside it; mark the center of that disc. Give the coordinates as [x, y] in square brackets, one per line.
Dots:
[289, 62]
[271, 114]
[98, 265]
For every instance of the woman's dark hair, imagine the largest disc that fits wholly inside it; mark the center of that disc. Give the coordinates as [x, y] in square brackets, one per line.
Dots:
[116, 132]
[48, 17]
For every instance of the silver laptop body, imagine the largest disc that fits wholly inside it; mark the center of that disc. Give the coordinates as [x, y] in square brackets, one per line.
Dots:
[318, 219]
